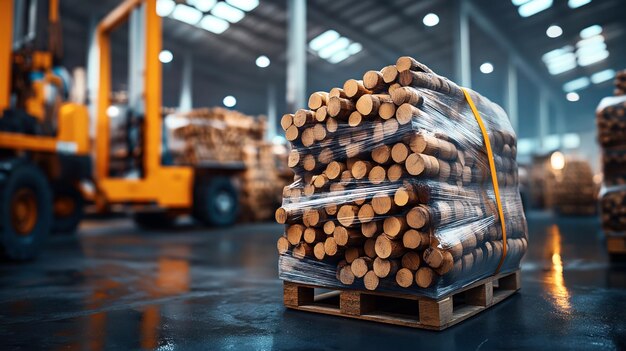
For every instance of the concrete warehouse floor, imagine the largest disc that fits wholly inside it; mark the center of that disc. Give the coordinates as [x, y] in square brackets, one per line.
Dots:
[115, 287]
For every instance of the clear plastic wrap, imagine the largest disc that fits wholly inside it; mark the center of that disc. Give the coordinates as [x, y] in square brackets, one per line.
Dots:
[393, 188]
[611, 121]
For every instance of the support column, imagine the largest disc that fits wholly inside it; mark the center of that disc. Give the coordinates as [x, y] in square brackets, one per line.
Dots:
[93, 75]
[296, 54]
[511, 96]
[543, 119]
[462, 47]
[186, 88]
[136, 60]
[271, 111]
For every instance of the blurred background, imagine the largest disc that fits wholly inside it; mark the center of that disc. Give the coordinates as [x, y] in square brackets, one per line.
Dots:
[151, 185]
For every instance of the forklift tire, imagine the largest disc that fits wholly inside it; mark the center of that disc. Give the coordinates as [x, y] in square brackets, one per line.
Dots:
[67, 208]
[216, 202]
[153, 220]
[25, 212]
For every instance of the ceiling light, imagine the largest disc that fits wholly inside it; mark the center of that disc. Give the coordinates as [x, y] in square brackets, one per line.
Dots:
[576, 84]
[554, 31]
[577, 3]
[519, 2]
[602, 76]
[339, 56]
[590, 41]
[334, 47]
[590, 31]
[187, 14]
[571, 140]
[113, 111]
[246, 5]
[229, 101]
[590, 59]
[355, 48]
[533, 7]
[227, 12]
[214, 24]
[323, 39]
[262, 61]
[165, 7]
[203, 5]
[573, 97]
[486, 68]
[430, 20]
[557, 160]
[166, 56]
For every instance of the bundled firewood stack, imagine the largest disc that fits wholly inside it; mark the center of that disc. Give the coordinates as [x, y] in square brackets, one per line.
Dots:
[393, 189]
[261, 182]
[620, 83]
[212, 135]
[573, 190]
[611, 122]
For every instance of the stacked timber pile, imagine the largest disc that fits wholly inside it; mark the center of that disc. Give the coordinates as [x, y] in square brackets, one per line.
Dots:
[611, 122]
[261, 182]
[573, 190]
[212, 135]
[393, 189]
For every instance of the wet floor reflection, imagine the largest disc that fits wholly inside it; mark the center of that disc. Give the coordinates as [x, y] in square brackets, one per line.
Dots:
[555, 284]
[114, 287]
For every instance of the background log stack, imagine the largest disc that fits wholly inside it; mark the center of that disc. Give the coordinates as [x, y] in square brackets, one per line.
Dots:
[221, 136]
[392, 187]
[573, 190]
[611, 122]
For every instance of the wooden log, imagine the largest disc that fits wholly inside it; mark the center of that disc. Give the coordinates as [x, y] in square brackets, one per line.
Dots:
[399, 152]
[321, 114]
[352, 253]
[371, 229]
[381, 154]
[418, 217]
[347, 215]
[330, 247]
[377, 175]
[360, 169]
[340, 108]
[317, 100]
[313, 217]
[389, 73]
[425, 277]
[369, 247]
[286, 121]
[406, 195]
[411, 260]
[407, 95]
[371, 281]
[394, 227]
[361, 265]
[387, 248]
[294, 233]
[313, 235]
[346, 276]
[396, 172]
[373, 81]
[369, 104]
[355, 119]
[384, 268]
[387, 110]
[433, 257]
[404, 277]
[318, 251]
[421, 165]
[303, 117]
[347, 237]
[283, 245]
[302, 250]
[413, 239]
[354, 89]
[329, 227]
[382, 203]
[407, 63]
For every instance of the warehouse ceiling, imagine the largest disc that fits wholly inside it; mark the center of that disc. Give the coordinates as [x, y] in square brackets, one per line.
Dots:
[224, 64]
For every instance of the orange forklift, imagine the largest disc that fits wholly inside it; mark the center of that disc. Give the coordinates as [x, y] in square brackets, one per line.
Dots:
[46, 155]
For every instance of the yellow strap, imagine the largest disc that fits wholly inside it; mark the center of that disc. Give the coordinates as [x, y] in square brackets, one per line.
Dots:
[494, 177]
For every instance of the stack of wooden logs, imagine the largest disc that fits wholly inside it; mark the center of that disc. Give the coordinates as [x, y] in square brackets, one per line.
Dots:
[620, 83]
[393, 188]
[573, 190]
[215, 135]
[611, 122]
[261, 182]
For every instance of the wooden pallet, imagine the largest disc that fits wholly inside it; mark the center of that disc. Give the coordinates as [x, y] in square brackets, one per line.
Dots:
[401, 309]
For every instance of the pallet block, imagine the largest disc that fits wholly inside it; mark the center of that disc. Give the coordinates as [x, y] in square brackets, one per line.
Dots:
[404, 309]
